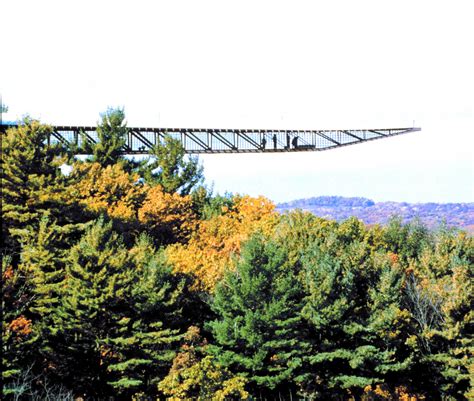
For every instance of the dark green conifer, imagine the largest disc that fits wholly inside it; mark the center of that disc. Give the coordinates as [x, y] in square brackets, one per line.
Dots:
[258, 331]
[118, 306]
[112, 135]
[170, 168]
[354, 304]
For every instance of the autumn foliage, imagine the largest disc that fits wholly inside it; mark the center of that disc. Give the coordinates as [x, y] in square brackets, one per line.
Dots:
[109, 190]
[21, 326]
[131, 280]
[169, 217]
[217, 240]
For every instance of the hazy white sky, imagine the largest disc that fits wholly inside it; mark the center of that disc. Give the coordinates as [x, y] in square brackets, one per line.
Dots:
[264, 64]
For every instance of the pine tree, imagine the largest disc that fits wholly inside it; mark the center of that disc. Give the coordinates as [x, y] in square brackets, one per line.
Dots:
[31, 309]
[258, 331]
[42, 260]
[116, 331]
[333, 277]
[170, 168]
[387, 326]
[30, 173]
[112, 136]
[354, 303]
[144, 346]
[332, 308]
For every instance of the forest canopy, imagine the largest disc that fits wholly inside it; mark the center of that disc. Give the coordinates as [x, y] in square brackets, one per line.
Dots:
[132, 280]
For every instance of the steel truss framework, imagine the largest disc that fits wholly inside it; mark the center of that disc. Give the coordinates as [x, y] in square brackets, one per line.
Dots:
[202, 140]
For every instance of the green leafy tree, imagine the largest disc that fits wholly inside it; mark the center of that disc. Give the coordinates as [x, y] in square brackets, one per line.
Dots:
[439, 294]
[212, 205]
[112, 136]
[298, 230]
[258, 331]
[170, 168]
[406, 240]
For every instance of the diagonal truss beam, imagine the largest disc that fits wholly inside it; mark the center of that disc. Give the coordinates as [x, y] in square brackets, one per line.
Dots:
[203, 140]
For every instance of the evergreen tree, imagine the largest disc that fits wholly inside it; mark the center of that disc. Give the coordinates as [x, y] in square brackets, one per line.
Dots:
[30, 173]
[387, 326]
[406, 240]
[354, 305]
[42, 260]
[41, 274]
[332, 309]
[145, 343]
[33, 191]
[258, 331]
[118, 306]
[16, 328]
[170, 168]
[112, 136]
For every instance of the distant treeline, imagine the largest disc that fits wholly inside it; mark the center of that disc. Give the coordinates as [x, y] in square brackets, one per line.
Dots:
[126, 280]
[433, 215]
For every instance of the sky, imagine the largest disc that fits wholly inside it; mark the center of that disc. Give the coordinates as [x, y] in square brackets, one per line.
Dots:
[269, 65]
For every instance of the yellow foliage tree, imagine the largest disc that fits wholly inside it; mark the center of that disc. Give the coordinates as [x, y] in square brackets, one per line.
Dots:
[212, 246]
[109, 189]
[381, 392]
[195, 376]
[169, 217]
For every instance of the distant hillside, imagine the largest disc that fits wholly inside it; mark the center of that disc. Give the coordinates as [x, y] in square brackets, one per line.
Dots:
[340, 208]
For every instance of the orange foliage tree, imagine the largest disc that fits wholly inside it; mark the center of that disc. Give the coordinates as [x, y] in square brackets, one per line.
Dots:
[169, 216]
[21, 326]
[212, 246]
